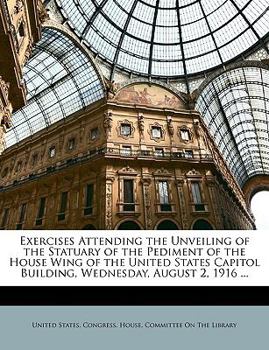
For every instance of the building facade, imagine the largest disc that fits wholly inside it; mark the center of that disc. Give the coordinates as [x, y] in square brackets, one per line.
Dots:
[137, 159]
[152, 115]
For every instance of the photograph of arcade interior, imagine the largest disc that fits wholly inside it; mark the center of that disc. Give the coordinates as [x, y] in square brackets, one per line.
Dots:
[134, 114]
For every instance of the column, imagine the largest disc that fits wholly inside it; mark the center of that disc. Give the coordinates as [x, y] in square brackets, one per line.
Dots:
[108, 199]
[182, 203]
[147, 203]
[214, 202]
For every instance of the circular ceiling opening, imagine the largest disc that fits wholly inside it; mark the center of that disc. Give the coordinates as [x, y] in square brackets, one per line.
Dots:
[167, 38]
[259, 207]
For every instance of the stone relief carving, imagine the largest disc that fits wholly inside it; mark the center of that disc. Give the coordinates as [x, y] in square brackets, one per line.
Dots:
[191, 99]
[28, 52]
[185, 128]
[160, 137]
[141, 123]
[198, 129]
[5, 106]
[109, 203]
[162, 172]
[107, 123]
[42, 12]
[18, 7]
[127, 170]
[182, 203]
[132, 129]
[170, 126]
[4, 87]
[111, 88]
[147, 202]
[210, 181]
[6, 121]
[193, 172]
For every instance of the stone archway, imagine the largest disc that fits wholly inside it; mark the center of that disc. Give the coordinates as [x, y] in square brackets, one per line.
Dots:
[89, 227]
[167, 225]
[254, 185]
[129, 225]
[202, 224]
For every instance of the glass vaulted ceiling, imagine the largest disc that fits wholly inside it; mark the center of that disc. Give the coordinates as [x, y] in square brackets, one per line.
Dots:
[60, 80]
[167, 37]
[235, 107]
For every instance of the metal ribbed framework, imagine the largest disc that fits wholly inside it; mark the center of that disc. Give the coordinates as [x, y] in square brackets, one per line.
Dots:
[168, 38]
[235, 107]
[60, 80]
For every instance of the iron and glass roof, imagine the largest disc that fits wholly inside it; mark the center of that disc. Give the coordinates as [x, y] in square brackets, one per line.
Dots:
[235, 107]
[158, 38]
[168, 38]
[60, 80]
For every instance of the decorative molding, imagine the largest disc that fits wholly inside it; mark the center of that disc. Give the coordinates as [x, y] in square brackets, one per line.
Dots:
[194, 173]
[147, 202]
[125, 121]
[49, 149]
[147, 94]
[141, 124]
[109, 202]
[107, 123]
[185, 127]
[192, 99]
[157, 82]
[90, 139]
[146, 181]
[18, 7]
[28, 52]
[128, 171]
[111, 88]
[156, 139]
[68, 140]
[215, 203]
[42, 12]
[171, 129]
[4, 87]
[162, 172]
[198, 129]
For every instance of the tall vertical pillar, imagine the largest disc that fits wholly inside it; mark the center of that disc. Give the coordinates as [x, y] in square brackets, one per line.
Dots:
[182, 203]
[147, 203]
[108, 201]
[215, 205]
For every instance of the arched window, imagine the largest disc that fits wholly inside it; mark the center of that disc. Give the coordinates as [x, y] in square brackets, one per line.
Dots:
[89, 227]
[129, 225]
[202, 224]
[167, 225]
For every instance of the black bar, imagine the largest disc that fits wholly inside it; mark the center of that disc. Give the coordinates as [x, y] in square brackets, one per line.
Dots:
[165, 296]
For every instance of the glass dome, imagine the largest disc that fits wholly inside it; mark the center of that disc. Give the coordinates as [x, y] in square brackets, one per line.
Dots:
[167, 38]
[60, 80]
[235, 108]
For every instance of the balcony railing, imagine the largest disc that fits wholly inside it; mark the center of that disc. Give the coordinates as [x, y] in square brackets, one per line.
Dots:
[153, 154]
[128, 208]
[107, 152]
[165, 208]
[199, 208]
